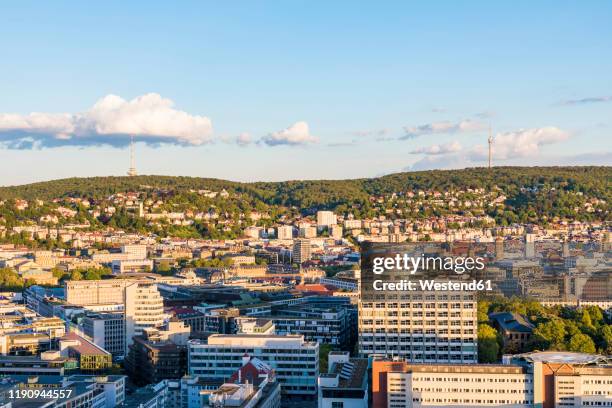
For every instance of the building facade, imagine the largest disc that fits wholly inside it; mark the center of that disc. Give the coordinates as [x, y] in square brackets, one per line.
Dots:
[295, 361]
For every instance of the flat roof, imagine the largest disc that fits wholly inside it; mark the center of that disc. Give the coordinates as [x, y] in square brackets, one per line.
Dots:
[562, 357]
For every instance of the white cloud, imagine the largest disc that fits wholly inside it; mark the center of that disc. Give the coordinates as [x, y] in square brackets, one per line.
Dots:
[520, 143]
[445, 127]
[521, 147]
[150, 118]
[296, 134]
[437, 149]
[244, 139]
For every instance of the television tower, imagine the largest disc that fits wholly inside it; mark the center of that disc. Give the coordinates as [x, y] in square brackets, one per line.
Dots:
[132, 170]
[490, 140]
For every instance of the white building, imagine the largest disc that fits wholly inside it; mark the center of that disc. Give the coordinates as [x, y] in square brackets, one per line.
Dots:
[540, 379]
[326, 219]
[144, 308]
[295, 361]
[122, 266]
[135, 251]
[284, 232]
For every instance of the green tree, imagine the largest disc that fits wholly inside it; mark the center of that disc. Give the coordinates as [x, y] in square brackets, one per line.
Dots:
[324, 350]
[550, 335]
[581, 343]
[488, 346]
[606, 337]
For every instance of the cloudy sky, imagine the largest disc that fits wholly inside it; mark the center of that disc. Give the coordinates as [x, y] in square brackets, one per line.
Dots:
[293, 90]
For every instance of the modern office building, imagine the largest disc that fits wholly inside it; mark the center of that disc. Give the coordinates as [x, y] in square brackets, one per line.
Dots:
[301, 251]
[158, 355]
[144, 308]
[106, 330]
[294, 360]
[540, 379]
[422, 327]
[96, 292]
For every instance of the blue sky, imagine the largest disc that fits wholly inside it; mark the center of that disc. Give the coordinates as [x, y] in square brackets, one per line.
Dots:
[293, 90]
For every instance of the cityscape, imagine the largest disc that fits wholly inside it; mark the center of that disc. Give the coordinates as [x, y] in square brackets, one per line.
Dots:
[399, 205]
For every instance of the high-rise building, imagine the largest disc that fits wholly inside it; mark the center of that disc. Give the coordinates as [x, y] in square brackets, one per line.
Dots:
[424, 327]
[308, 231]
[326, 219]
[284, 232]
[144, 308]
[301, 251]
[295, 361]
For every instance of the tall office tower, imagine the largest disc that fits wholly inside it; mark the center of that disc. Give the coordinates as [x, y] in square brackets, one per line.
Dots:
[421, 327]
[301, 251]
[144, 307]
[326, 219]
[284, 232]
[295, 361]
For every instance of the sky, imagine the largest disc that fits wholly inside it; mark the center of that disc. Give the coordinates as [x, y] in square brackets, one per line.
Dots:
[277, 90]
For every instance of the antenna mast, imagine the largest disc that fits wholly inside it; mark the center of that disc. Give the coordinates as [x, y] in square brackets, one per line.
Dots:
[490, 140]
[132, 170]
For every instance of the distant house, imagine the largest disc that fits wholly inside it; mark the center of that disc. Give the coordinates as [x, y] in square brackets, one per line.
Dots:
[514, 328]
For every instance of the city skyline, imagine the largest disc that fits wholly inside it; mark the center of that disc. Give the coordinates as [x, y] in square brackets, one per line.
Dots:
[269, 92]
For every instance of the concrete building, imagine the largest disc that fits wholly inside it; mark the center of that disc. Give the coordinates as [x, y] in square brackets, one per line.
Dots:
[122, 266]
[135, 251]
[345, 384]
[423, 327]
[284, 232]
[307, 231]
[326, 219]
[106, 330]
[301, 251]
[144, 308]
[158, 354]
[295, 361]
[540, 379]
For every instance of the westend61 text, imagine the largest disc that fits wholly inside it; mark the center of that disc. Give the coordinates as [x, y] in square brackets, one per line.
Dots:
[429, 285]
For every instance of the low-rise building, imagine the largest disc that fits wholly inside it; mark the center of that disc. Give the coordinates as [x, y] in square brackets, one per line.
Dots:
[346, 382]
[295, 361]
